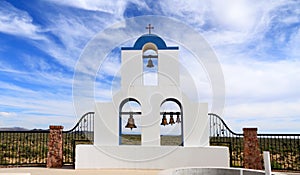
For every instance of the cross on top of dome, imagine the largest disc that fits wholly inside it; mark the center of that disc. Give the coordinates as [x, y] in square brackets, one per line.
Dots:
[149, 27]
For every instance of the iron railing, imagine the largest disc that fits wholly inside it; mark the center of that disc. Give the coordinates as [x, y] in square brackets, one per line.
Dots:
[81, 133]
[29, 148]
[284, 150]
[222, 135]
[24, 148]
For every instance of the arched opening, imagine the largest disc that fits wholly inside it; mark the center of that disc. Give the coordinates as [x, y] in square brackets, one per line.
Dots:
[150, 64]
[171, 130]
[129, 122]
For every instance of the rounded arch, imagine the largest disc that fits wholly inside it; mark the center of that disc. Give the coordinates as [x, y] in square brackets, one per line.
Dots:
[177, 124]
[172, 99]
[127, 100]
[150, 64]
[125, 131]
[150, 46]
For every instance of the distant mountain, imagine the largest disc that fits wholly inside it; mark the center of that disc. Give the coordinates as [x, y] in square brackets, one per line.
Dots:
[39, 129]
[14, 129]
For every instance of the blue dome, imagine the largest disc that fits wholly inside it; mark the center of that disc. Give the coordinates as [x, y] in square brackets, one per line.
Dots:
[142, 40]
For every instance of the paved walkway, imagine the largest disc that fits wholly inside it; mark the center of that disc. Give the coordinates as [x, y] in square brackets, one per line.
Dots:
[47, 171]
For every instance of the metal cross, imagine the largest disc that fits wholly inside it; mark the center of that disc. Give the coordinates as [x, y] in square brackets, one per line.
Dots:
[149, 28]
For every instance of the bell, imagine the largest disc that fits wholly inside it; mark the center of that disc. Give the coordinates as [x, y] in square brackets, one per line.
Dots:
[150, 63]
[171, 119]
[178, 118]
[164, 120]
[130, 124]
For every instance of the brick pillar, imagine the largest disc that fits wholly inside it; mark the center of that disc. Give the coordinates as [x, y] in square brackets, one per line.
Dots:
[55, 147]
[252, 157]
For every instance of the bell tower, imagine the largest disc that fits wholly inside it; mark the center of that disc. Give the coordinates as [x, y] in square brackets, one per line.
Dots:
[150, 58]
[150, 55]
[150, 78]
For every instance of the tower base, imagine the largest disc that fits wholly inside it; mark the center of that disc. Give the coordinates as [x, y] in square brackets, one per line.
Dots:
[149, 157]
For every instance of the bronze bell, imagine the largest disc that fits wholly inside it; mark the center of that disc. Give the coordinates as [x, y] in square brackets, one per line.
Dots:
[171, 119]
[178, 118]
[130, 124]
[164, 120]
[150, 63]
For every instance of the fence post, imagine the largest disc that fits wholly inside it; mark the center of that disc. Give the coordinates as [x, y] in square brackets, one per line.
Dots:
[252, 157]
[55, 147]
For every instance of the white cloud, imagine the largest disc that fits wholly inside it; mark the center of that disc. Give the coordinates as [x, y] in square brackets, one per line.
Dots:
[193, 11]
[262, 80]
[111, 66]
[38, 105]
[115, 8]
[17, 22]
[31, 121]
[263, 110]
[35, 94]
[103, 91]
[293, 48]
[225, 22]
[7, 114]
[240, 22]
[73, 34]
[262, 91]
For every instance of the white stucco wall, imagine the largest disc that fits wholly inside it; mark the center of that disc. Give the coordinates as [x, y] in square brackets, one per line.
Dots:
[132, 68]
[195, 119]
[106, 124]
[168, 68]
[90, 156]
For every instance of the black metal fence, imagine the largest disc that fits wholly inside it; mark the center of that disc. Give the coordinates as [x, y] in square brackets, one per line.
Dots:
[81, 133]
[29, 148]
[222, 135]
[26, 148]
[284, 150]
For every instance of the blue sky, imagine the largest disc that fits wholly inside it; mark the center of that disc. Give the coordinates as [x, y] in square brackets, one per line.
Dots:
[257, 44]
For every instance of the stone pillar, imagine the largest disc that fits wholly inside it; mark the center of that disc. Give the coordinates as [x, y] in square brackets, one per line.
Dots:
[55, 147]
[252, 157]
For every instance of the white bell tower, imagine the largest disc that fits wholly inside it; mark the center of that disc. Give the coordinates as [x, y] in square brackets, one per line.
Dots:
[150, 56]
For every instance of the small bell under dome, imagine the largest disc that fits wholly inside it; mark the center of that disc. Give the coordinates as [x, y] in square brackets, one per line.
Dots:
[150, 63]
